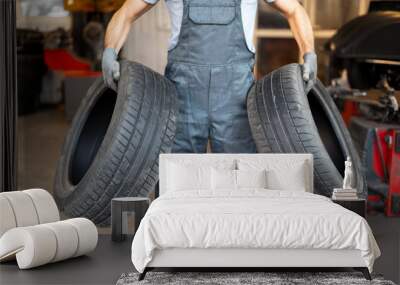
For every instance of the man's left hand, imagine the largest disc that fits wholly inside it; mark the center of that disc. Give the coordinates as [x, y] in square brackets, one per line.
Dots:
[310, 69]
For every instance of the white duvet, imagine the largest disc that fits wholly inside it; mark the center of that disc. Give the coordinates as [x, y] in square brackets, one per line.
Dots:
[250, 219]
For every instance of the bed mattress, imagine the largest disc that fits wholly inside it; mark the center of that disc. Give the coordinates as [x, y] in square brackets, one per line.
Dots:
[250, 219]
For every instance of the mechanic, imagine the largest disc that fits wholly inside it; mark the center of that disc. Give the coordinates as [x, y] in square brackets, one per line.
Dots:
[210, 61]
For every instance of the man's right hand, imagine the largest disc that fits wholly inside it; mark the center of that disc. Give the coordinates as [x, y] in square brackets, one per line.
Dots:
[110, 66]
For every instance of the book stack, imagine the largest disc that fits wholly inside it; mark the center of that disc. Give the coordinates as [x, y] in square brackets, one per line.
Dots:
[344, 194]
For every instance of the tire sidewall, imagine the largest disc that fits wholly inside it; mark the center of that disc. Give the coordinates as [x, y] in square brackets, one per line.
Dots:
[342, 133]
[65, 191]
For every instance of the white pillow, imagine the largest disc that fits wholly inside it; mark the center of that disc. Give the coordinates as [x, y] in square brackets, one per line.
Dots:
[251, 178]
[183, 177]
[281, 174]
[296, 180]
[230, 180]
[223, 179]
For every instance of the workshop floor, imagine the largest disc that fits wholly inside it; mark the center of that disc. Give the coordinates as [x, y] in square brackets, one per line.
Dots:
[40, 140]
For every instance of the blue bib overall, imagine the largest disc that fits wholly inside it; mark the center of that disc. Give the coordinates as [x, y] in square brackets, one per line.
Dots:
[211, 67]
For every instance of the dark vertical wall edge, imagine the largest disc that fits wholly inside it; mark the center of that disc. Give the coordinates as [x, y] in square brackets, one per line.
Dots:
[8, 97]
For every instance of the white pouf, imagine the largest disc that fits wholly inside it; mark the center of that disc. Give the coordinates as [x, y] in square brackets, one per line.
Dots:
[45, 205]
[26, 208]
[22, 207]
[37, 245]
[31, 230]
[7, 220]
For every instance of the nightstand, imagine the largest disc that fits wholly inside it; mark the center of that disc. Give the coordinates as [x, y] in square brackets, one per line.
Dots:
[358, 206]
[126, 214]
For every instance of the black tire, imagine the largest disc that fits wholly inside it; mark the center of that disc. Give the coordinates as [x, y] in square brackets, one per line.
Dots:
[114, 142]
[284, 120]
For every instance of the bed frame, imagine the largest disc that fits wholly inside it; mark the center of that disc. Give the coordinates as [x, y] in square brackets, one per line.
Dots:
[245, 259]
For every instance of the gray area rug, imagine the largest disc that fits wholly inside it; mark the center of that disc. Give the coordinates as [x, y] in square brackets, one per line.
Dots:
[269, 278]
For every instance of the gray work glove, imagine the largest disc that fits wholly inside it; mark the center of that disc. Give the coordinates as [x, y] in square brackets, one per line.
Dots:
[310, 69]
[110, 66]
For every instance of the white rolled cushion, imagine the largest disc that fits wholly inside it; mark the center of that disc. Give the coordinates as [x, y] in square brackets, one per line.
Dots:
[7, 218]
[41, 244]
[45, 205]
[223, 179]
[251, 178]
[87, 235]
[26, 208]
[23, 208]
[33, 246]
[67, 240]
[183, 177]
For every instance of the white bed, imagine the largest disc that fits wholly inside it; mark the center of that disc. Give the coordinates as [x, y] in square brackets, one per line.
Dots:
[251, 226]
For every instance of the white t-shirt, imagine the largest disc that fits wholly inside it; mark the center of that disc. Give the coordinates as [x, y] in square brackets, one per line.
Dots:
[175, 8]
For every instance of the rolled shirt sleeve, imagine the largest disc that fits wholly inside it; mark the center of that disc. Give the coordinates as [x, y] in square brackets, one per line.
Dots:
[268, 1]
